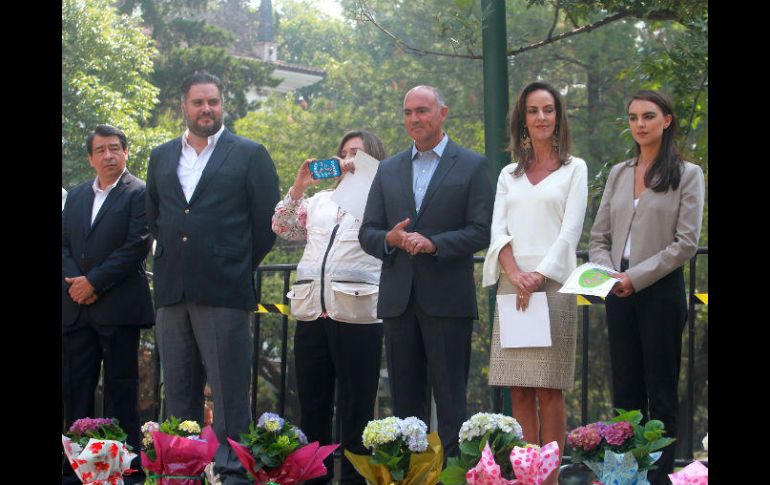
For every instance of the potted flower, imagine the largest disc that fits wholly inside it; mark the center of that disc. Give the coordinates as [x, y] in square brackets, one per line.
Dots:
[275, 450]
[176, 452]
[493, 451]
[402, 453]
[621, 450]
[97, 450]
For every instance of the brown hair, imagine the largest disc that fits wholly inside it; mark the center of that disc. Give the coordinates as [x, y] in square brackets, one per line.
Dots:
[517, 117]
[666, 169]
[373, 146]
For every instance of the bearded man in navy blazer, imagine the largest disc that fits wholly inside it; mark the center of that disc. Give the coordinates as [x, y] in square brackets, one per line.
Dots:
[210, 200]
[105, 295]
[429, 209]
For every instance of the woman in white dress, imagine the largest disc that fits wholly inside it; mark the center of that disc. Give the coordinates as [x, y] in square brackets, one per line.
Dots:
[538, 217]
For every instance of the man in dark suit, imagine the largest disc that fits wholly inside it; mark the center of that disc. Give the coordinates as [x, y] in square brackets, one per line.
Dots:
[210, 200]
[105, 295]
[429, 209]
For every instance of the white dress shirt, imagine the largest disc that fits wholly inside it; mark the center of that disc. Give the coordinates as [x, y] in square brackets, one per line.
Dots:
[192, 163]
[101, 195]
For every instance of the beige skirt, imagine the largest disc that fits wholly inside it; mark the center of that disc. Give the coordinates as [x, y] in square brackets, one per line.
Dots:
[550, 367]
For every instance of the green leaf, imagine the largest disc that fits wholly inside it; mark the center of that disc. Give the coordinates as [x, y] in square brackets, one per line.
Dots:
[453, 475]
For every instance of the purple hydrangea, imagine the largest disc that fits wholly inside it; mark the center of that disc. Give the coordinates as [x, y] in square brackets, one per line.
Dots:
[300, 436]
[618, 433]
[585, 437]
[88, 424]
[270, 422]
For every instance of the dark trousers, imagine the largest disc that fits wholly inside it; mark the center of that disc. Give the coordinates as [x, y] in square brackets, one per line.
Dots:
[200, 344]
[645, 336]
[85, 348]
[420, 349]
[326, 351]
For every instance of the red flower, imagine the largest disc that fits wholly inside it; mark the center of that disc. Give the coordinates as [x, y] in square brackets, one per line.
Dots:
[113, 450]
[96, 446]
[86, 476]
[101, 466]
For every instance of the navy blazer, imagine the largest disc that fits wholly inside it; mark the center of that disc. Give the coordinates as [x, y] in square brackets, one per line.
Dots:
[207, 249]
[456, 214]
[111, 253]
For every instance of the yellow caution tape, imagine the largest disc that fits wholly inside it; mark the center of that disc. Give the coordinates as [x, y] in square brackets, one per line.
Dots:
[273, 308]
[583, 300]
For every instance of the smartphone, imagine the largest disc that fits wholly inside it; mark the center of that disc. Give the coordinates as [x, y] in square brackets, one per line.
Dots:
[325, 169]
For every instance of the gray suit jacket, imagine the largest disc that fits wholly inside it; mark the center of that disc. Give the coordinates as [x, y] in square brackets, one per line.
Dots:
[664, 227]
[207, 249]
[456, 214]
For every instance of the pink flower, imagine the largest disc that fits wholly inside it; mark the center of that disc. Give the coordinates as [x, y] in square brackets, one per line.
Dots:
[585, 437]
[617, 433]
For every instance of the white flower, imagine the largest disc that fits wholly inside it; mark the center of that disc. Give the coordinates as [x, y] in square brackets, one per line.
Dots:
[413, 432]
[150, 426]
[381, 431]
[481, 423]
[190, 427]
[706, 443]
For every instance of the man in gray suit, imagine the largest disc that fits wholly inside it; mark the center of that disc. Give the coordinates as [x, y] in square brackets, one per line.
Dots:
[210, 199]
[429, 209]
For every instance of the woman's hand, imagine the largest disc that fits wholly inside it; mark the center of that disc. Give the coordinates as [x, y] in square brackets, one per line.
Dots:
[522, 299]
[623, 287]
[303, 180]
[347, 166]
[528, 281]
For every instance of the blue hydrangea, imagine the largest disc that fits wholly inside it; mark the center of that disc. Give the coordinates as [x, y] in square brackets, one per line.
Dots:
[413, 432]
[270, 422]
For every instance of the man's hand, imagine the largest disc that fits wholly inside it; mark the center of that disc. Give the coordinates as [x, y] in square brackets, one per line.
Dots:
[397, 236]
[623, 287]
[91, 299]
[80, 290]
[417, 243]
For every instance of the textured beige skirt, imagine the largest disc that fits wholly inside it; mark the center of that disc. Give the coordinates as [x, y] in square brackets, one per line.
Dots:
[550, 367]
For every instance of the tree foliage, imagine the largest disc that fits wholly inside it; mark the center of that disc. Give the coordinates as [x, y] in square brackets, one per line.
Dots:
[187, 42]
[106, 66]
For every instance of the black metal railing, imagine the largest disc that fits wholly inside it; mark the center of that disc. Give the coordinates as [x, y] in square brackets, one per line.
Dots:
[286, 270]
[687, 431]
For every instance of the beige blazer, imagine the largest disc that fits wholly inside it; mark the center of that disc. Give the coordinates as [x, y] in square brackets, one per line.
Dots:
[664, 227]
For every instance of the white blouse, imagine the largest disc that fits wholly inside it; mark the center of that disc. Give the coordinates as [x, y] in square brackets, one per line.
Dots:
[542, 222]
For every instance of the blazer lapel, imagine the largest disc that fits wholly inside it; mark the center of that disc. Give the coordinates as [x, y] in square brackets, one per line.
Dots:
[170, 169]
[111, 197]
[625, 187]
[406, 183]
[88, 207]
[224, 145]
[448, 160]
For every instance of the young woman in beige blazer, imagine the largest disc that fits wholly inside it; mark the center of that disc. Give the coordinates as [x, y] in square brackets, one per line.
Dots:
[647, 227]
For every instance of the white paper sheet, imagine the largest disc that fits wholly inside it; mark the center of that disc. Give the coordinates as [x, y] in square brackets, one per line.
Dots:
[590, 279]
[353, 190]
[529, 328]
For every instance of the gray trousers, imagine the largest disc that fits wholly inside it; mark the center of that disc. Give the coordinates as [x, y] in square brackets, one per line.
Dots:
[200, 343]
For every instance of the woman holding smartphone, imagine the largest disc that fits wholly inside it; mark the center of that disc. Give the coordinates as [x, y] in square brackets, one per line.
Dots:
[647, 227]
[338, 336]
